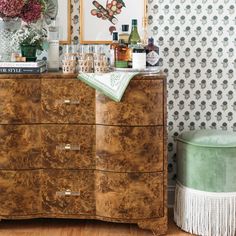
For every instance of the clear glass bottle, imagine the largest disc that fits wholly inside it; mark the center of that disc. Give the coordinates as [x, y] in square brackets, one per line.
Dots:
[134, 37]
[139, 57]
[152, 52]
[53, 46]
[113, 45]
[124, 33]
[121, 55]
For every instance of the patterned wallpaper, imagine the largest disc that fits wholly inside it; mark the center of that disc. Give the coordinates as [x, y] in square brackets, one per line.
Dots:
[197, 40]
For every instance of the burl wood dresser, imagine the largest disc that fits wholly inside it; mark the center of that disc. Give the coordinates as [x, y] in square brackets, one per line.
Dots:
[67, 151]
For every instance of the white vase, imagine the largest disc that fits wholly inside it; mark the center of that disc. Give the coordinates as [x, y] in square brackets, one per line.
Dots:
[7, 28]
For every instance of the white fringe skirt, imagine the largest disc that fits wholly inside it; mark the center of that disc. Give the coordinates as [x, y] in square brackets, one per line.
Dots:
[205, 213]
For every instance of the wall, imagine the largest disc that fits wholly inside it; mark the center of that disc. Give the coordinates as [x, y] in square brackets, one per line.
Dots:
[197, 41]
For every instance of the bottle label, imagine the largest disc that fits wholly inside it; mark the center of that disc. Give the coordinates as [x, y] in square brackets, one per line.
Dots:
[139, 61]
[152, 58]
[121, 64]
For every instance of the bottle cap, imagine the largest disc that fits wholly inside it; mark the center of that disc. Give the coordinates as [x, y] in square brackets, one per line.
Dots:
[134, 22]
[151, 41]
[115, 36]
[125, 28]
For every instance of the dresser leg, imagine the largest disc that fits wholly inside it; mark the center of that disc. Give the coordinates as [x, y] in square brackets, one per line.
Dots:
[157, 226]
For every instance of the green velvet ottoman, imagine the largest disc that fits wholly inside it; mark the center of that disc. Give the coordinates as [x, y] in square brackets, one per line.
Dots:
[205, 197]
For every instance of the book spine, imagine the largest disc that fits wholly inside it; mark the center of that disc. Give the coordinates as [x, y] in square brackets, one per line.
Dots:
[21, 64]
[14, 70]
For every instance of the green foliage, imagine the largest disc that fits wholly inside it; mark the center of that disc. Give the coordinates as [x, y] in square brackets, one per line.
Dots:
[30, 35]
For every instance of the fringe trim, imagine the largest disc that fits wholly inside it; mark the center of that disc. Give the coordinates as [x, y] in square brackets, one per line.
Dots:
[205, 213]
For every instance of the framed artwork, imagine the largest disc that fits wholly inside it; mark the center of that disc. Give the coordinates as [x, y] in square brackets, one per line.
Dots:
[98, 19]
[64, 21]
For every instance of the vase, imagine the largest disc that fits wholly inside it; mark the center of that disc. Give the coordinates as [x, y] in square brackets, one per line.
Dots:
[8, 26]
[28, 51]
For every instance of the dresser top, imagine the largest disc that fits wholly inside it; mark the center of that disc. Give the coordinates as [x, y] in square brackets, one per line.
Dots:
[60, 75]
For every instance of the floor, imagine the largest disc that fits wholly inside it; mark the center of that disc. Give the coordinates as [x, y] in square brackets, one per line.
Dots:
[54, 227]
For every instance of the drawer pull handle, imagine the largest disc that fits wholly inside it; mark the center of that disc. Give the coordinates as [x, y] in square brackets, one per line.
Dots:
[71, 102]
[67, 192]
[69, 147]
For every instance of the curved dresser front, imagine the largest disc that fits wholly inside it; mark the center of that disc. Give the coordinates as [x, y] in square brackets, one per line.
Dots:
[67, 151]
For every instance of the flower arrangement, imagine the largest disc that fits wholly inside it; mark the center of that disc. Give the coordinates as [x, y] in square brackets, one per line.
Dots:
[30, 35]
[28, 10]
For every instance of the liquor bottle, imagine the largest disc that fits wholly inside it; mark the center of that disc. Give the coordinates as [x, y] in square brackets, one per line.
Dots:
[152, 52]
[139, 57]
[134, 37]
[53, 46]
[121, 55]
[124, 33]
[113, 45]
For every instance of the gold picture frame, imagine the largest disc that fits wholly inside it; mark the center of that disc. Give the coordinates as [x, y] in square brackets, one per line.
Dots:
[98, 30]
[64, 18]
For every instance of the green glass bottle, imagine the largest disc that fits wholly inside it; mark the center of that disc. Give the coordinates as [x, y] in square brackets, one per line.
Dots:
[134, 37]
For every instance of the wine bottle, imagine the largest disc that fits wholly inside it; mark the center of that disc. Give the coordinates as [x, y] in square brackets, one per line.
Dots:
[134, 37]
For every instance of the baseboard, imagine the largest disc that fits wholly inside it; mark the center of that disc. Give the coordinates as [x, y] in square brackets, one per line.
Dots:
[171, 196]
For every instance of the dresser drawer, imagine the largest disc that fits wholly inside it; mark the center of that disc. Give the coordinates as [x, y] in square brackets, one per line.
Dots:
[129, 195]
[67, 101]
[17, 151]
[142, 104]
[68, 192]
[68, 146]
[19, 101]
[20, 193]
[125, 149]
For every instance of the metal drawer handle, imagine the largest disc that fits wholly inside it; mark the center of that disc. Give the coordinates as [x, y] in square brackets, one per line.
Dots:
[67, 192]
[69, 147]
[71, 102]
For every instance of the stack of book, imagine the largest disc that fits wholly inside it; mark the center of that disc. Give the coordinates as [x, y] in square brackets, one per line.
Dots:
[23, 67]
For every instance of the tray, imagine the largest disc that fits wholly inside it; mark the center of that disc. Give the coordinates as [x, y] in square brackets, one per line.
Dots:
[149, 70]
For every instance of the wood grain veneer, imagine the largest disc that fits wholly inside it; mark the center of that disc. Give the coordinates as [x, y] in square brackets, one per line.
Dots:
[20, 101]
[68, 146]
[67, 101]
[67, 151]
[126, 149]
[68, 192]
[129, 195]
[17, 151]
[142, 104]
[20, 193]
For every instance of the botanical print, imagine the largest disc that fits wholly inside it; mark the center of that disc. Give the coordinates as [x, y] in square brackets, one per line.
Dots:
[99, 18]
[109, 12]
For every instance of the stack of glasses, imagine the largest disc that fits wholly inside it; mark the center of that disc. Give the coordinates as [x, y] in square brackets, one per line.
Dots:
[85, 58]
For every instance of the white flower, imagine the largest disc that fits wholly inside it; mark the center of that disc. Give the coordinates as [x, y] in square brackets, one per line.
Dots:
[29, 35]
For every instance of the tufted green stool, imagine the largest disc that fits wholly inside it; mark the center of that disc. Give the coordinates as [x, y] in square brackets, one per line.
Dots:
[205, 197]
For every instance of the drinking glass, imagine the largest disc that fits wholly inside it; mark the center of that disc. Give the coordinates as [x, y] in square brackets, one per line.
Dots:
[69, 61]
[85, 59]
[100, 59]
